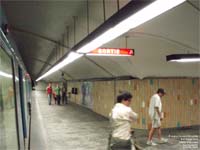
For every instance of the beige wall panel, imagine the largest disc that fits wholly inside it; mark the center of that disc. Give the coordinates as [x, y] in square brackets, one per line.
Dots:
[180, 104]
[95, 14]
[81, 26]
[69, 88]
[122, 3]
[110, 8]
[71, 36]
[79, 95]
[176, 104]
[103, 97]
[75, 98]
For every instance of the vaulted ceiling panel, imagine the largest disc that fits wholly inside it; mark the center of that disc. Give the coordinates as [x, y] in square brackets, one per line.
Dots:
[117, 66]
[179, 25]
[85, 69]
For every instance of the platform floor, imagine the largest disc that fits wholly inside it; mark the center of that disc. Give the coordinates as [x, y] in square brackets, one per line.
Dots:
[72, 127]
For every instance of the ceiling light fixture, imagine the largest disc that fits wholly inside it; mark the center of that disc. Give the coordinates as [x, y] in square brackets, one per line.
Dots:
[114, 27]
[183, 58]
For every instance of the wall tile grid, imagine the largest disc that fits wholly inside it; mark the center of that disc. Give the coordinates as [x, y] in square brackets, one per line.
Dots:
[180, 104]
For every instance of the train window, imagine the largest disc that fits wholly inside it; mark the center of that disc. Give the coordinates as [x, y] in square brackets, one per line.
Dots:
[8, 130]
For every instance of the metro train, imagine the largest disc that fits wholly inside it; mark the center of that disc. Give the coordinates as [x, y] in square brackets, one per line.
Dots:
[15, 99]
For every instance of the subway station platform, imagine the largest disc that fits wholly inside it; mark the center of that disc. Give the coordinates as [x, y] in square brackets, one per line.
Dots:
[66, 127]
[72, 127]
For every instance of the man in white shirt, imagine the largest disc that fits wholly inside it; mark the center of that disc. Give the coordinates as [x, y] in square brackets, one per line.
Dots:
[121, 117]
[155, 113]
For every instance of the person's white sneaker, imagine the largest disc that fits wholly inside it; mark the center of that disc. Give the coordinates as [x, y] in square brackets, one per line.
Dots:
[151, 143]
[163, 140]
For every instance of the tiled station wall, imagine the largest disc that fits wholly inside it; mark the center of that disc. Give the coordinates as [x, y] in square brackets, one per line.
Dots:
[180, 104]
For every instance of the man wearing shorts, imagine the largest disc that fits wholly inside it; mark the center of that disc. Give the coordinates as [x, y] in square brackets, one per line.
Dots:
[155, 113]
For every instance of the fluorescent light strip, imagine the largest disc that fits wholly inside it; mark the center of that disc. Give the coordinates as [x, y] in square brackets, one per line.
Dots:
[5, 74]
[154, 9]
[70, 58]
[186, 60]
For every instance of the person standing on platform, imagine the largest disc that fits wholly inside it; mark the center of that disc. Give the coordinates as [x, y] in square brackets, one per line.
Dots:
[155, 113]
[49, 92]
[57, 91]
[121, 117]
[64, 96]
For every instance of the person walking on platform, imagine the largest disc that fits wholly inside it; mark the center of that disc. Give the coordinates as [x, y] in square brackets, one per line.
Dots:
[49, 93]
[121, 117]
[155, 113]
[57, 91]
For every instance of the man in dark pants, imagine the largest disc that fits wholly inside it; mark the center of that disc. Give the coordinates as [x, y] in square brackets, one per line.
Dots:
[64, 96]
[57, 91]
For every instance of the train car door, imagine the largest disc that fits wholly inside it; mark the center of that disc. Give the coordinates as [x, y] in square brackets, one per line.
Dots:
[18, 107]
[22, 102]
[8, 122]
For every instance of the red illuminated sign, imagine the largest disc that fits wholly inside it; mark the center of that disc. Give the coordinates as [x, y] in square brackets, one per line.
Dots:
[112, 52]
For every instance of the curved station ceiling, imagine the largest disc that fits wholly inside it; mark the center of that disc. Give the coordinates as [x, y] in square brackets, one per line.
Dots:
[46, 31]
